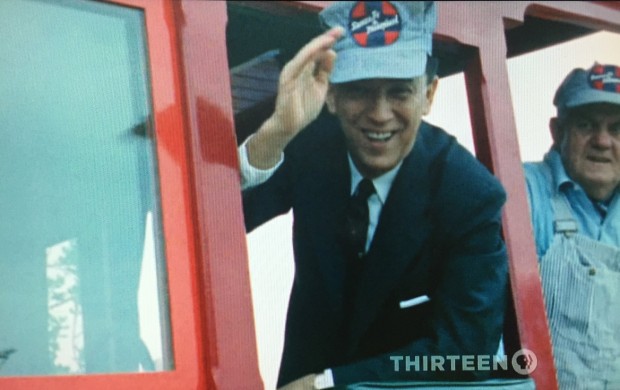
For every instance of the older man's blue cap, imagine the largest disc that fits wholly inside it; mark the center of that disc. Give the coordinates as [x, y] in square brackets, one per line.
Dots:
[383, 39]
[599, 84]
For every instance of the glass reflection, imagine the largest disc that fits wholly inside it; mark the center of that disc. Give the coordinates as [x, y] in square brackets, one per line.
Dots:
[82, 281]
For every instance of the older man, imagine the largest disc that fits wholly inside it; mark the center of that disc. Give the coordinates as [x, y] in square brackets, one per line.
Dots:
[397, 240]
[575, 211]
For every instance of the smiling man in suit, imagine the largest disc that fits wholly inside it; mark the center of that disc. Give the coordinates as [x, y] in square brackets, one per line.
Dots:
[396, 232]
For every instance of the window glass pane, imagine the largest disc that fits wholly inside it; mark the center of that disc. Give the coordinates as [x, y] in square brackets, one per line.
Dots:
[82, 281]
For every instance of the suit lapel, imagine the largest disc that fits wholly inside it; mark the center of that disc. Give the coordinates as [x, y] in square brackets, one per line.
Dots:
[333, 198]
[326, 195]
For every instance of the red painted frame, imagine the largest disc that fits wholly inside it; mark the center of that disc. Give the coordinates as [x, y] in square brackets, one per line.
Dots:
[210, 299]
[205, 249]
[497, 146]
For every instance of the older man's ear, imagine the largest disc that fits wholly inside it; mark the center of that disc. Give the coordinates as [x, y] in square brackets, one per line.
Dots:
[554, 127]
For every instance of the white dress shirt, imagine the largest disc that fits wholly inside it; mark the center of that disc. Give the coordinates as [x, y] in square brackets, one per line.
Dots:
[252, 176]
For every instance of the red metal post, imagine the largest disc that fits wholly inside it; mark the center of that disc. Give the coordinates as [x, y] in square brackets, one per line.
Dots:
[497, 146]
[220, 234]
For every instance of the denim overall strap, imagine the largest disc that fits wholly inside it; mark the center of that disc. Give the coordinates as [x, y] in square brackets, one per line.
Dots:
[581, 284]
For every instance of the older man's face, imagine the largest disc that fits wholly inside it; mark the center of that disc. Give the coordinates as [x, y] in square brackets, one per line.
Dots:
[590, 148]
[380, 119]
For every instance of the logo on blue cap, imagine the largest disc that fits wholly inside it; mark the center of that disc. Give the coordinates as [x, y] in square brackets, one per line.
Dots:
[605, 78]
[374, 23]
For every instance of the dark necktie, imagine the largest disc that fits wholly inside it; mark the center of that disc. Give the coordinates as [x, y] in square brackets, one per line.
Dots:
[356, 231]
[357, 218]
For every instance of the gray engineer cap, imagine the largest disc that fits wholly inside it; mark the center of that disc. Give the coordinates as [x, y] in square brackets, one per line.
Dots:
[599, 84]
[383, 39]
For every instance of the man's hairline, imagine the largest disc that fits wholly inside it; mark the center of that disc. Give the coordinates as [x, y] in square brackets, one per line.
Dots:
[563, 116]
[427, 81]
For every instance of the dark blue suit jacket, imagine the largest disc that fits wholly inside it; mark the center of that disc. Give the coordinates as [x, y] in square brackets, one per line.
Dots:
[438, 235]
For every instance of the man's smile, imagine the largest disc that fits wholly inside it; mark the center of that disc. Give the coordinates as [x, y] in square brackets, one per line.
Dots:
[599, 159]
[378, 136]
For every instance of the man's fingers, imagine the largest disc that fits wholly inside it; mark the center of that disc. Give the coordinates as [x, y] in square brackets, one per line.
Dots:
[336, 32]
[324, 66]
[311, 51]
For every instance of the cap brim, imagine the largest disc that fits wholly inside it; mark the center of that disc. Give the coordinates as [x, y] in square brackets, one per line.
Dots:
[378, 63]
[592, 96]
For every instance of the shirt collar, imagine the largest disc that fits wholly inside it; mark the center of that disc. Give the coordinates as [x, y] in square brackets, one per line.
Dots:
[560, 177]
[382, 184]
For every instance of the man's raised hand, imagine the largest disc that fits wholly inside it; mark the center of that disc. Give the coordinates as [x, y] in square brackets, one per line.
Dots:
[304, 82]
[302, 90]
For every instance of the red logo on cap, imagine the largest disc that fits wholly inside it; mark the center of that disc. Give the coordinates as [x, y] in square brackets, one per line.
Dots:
[605, 78]
[374, 23]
